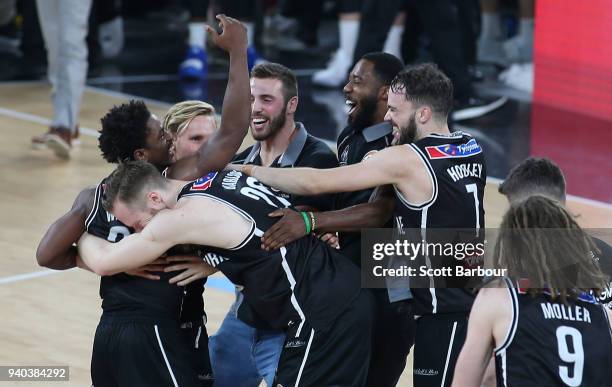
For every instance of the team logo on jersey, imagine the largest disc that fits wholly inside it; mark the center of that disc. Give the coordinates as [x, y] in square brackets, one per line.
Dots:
[204, 182]
[449, 151]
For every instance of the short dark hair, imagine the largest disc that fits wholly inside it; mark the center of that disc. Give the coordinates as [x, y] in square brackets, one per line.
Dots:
[426, 84]
[386, 66]
[127, 182]
[534, 176]
[124, 129]
[280, 72]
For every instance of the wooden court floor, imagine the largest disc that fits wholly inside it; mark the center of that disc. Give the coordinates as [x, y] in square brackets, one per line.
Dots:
[49, 318]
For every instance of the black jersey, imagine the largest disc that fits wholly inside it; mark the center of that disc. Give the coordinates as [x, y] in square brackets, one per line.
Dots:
[604, 257]
[306, 280]
[355, 145]
[130, 297]
[458, 173]
[554, 344]
[303, 151]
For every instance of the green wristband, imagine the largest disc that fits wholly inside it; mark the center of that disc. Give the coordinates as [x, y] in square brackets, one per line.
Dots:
[307, 221]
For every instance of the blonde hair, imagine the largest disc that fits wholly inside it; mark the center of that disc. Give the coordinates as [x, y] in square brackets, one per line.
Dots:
[180, 115]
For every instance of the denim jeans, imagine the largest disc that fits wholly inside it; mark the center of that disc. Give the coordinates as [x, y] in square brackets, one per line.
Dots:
[242, 355]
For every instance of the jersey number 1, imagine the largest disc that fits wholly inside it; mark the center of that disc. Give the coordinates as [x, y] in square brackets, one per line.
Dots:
[473, 189]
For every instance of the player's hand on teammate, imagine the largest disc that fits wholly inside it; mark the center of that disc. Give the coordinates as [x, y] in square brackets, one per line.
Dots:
[193, 269]
[289, 228]
[233, 34]
[147, 271]
[331, 239]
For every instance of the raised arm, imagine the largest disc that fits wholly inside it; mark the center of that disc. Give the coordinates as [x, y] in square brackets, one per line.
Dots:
[215, 153]
[56, 249]
[389, 166]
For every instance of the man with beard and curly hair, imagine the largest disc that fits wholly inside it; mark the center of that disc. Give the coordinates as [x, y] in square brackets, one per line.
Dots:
[438, 180]
[366, 133]
[246, 349]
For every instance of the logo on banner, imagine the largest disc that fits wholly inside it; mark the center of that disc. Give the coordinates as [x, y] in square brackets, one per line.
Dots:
[449, 151]
[204, 182]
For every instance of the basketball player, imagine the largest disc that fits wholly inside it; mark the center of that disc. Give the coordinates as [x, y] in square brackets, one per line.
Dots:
[306, 288]
[438, 179]
[541, 176]
[554, 336]
[366, 133]
[132, 304]
[246, 349]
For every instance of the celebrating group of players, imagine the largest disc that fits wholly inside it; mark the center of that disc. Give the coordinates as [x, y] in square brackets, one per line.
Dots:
[282, 223]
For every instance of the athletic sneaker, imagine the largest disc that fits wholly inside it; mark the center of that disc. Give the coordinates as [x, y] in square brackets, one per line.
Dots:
[40, 142]
[519, 76]
[335, 73]
[195, 65]
[475, 107]
[60, 142]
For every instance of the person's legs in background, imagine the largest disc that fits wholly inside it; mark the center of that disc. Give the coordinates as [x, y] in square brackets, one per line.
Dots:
[442, 25]
[490, 39]
[247, 11]
[519, 49]
[64, 27]
[195, 65]
[381, 28]
[8, 28]
[335, 73]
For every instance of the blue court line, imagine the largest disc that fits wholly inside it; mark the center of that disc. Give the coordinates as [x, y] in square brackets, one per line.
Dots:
[220, 283]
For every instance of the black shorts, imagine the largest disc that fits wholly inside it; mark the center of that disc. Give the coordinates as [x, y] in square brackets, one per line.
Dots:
[147, 354]
[338, 356]
[439, 339]
[394, 328]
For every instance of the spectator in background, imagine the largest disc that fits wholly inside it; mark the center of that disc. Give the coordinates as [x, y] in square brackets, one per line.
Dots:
[64, 29]
[8, 28]
[491, 46]
[364, 26]
[195, 65]
[247, 12]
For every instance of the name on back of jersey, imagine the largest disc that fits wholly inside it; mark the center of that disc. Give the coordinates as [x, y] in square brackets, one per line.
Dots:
[461, 171]
[553, 310]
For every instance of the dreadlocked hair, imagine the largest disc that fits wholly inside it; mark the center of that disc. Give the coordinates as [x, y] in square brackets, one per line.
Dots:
[541, 242]
[124, 129]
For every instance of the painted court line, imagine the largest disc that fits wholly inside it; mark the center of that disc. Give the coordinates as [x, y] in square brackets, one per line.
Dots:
[218, 283]
[27, 276]
[42, 120]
